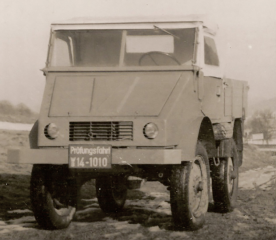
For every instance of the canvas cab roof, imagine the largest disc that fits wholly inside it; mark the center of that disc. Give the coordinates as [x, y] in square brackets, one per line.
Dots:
[188, 21]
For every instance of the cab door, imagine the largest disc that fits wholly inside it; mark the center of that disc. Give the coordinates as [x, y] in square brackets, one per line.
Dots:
[212, 103]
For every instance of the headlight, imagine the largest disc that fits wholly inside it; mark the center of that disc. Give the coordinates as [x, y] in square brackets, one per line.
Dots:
[51, 131]
[150, 130]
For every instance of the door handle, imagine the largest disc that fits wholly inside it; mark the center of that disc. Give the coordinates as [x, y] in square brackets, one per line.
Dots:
[218, 91]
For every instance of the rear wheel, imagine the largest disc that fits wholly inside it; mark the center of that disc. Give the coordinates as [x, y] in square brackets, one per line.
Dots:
[111, 193]
[225, 179]
[190, 191]
[53, 196]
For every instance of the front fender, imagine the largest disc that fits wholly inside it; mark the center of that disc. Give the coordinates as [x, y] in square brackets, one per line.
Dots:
[33, 136]
[199, 129]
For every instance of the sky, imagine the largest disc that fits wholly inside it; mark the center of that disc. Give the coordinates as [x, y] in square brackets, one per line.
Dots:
[247, 32]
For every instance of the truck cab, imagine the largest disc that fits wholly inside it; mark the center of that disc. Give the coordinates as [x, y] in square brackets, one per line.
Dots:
[130, 99]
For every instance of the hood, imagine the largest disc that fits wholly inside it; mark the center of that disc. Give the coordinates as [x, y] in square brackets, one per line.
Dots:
[134, 94]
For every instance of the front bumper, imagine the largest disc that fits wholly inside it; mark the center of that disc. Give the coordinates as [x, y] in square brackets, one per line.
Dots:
[119, 156]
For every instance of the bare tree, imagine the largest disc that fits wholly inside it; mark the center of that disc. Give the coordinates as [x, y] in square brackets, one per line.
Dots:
[262, 122]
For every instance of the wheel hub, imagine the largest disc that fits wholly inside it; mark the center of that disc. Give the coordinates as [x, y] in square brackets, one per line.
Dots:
[197, 182]
[200, 186]
[233, 175]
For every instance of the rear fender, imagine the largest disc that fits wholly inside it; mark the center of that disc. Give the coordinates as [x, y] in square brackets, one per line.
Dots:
[238, 138]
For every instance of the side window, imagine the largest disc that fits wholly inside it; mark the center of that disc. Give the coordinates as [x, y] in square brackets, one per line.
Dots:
[210, 52]
[61, 54]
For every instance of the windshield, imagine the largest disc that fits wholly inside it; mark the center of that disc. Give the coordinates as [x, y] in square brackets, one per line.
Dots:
[122, 48]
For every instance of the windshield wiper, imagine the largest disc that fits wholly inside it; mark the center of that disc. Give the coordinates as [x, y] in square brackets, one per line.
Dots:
[165, 31]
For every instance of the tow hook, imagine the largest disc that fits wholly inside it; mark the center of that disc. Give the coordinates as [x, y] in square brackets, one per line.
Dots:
[216, 161]
[125, 163]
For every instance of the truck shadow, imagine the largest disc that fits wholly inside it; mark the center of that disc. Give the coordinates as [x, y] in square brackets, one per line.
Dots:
[140, 208]
[16, 211]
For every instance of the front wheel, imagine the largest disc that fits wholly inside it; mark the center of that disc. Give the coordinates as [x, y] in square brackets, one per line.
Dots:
[53, 196]
[190, 191]
[111, 193]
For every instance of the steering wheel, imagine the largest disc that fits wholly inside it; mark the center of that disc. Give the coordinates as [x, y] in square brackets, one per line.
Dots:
[157, 52]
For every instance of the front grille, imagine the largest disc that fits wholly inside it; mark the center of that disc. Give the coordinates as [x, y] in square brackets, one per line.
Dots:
[100, 131]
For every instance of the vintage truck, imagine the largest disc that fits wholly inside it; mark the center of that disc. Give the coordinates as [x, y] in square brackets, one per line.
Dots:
[127, 100]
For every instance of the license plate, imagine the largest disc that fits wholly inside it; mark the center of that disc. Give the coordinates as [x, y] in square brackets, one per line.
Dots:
[89, 156]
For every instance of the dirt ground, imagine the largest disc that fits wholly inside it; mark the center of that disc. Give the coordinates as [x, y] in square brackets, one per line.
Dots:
[147, 213]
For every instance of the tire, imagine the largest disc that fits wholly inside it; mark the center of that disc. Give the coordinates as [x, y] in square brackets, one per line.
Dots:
[190, 191]
[53, 196]
[111, 193]
[225, 180]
